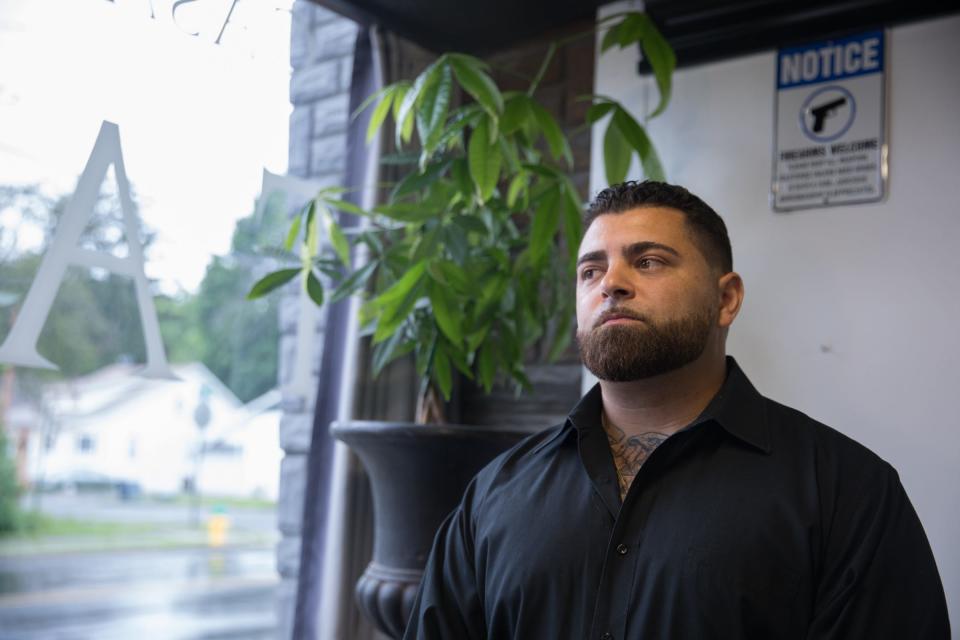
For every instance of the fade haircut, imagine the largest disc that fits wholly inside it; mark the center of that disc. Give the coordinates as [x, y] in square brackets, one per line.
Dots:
[709, 231]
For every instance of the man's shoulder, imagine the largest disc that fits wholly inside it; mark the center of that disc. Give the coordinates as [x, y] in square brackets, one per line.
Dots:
[794, 431]
[525, 457]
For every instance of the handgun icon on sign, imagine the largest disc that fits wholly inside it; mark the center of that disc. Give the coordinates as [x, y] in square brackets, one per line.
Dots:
[824, 111]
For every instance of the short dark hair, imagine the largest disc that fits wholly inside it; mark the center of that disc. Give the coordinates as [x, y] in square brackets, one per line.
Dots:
[709, 231]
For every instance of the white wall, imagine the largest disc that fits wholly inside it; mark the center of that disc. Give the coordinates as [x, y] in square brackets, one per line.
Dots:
[851, 313]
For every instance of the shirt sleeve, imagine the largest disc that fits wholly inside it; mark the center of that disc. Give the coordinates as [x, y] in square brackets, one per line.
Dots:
[878, 578]
[448, 605]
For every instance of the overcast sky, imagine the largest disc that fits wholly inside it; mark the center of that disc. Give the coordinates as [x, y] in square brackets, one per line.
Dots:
[198, 121]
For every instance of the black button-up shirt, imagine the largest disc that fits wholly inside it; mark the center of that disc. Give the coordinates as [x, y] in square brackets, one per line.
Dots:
[755, 521]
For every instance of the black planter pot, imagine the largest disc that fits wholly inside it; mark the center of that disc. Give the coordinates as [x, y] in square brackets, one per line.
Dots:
[417, 475]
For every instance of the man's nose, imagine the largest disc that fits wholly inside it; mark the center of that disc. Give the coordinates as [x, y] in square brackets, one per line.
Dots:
[616, 283]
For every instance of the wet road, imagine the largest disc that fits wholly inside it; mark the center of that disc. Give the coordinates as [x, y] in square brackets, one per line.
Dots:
[181, 594]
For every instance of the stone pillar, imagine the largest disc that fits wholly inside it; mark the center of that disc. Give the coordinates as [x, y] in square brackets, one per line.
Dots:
[321, 54]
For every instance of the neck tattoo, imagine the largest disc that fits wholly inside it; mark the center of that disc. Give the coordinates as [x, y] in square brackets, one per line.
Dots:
[629, 453]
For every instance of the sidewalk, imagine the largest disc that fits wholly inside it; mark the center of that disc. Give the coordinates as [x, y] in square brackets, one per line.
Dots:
[160, 538]
[92, 523]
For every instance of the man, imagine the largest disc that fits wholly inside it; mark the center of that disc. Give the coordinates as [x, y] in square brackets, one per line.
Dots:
[676, 501]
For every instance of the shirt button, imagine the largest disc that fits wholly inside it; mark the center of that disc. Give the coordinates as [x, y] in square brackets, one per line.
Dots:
[607, 636]
[622, 549]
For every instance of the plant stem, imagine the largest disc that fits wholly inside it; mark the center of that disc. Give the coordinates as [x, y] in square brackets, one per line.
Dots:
[552, 50]
[543, 68]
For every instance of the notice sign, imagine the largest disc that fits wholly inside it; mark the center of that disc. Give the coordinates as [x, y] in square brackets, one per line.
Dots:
[830, 147]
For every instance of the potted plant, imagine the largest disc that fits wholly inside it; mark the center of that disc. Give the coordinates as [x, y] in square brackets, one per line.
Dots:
[471, 260]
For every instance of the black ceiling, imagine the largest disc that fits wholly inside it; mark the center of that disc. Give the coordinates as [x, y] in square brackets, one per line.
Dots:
[699, 30]
[469, 26]
[708, 30]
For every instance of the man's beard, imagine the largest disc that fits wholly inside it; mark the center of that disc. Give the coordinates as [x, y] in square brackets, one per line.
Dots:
[638, 350]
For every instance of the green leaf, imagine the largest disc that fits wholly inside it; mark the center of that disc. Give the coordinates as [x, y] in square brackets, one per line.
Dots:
[380, 113]
[337, 240]
[404, 285]
[508, 149]
[521, 378]
[477, 83]
[293, 233]
[353, 282]
[442, 373]
[599, 110]
[612, 36]
[561, 337]
[476, 338]
[631, 29]
[459, 360]
[314, 289]
[392, 315]
[662, 60]
[451, 274]
[636, 136]
[418, 180]
[639, 28]
[461, 177]
[541, 170]
[373, 97]
[557, 142]
[491, 293]
[652, 167]
[517, 185]
[271, 281]
[456, 243]
[405, 114]
[484, 161]
[402, 89]
[572, 223]
[311, 240]
[544, 225]
[406, 212]
[616, 154]
[469, 222]
[515, 112]
[425, 245]
[329, 271]
[344, 205]
[432, 112]
[447, 313]
[386, 352]
[486, 366]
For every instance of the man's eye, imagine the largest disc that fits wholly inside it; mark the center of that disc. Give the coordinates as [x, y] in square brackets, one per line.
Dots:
[587, 273]
[649, 263]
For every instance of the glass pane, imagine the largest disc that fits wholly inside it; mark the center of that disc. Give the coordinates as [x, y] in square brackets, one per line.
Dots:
[131, 505]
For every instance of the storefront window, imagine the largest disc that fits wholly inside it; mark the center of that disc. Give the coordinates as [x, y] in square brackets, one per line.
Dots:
[133, 504]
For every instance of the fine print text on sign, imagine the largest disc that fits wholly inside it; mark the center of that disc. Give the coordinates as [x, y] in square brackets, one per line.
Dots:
[830, 147]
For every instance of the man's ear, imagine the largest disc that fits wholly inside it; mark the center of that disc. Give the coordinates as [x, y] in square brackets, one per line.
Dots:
[731, 297]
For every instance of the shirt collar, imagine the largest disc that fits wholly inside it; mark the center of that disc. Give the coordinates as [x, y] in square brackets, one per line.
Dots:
[738, 408]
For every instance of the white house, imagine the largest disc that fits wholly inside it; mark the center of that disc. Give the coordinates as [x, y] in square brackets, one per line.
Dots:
[242, 458]
[118, 427]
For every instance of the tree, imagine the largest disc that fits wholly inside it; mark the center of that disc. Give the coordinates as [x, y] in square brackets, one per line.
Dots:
[95, 320]
[240, 339]
[9, 487]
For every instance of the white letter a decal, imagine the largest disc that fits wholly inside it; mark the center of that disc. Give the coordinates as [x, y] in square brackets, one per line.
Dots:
[20, 346]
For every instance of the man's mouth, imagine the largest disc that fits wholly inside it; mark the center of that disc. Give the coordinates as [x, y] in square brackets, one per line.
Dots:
[617, 317]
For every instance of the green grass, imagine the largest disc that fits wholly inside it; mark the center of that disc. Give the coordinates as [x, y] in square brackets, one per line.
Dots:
[208, 502]
[38, 533]
[33, 524]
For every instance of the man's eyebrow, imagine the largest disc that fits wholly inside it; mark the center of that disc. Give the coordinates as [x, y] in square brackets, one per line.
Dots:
[591, 257]
[642, 247]
[629, 251]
